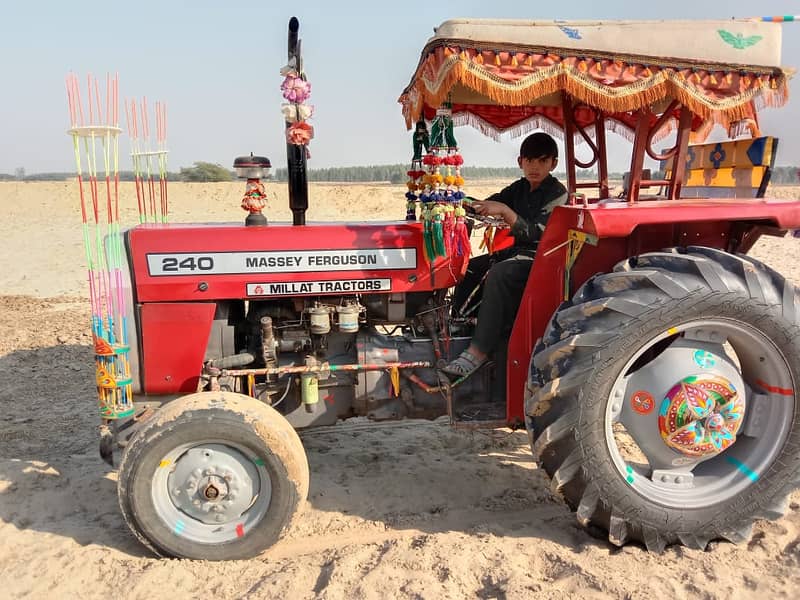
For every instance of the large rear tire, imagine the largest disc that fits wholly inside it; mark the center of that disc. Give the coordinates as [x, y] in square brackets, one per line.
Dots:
[662, 398]
[213, 476]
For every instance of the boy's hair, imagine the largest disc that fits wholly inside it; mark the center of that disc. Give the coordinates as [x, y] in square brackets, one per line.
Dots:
[538, 145]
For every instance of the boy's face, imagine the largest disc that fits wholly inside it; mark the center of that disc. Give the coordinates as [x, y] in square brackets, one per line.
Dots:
[536, 169]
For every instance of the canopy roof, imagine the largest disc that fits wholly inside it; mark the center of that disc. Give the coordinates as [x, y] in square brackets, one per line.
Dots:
[723, 71]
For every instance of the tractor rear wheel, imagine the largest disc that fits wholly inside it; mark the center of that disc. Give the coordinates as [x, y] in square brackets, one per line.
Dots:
[213, 476]
[662, 398]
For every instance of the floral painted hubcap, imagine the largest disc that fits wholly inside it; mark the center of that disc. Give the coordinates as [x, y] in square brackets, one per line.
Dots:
[700, 416]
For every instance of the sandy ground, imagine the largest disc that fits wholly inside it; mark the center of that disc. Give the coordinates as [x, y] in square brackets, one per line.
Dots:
[411, 510]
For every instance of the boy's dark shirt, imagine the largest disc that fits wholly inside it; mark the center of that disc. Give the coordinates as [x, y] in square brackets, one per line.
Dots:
[533, 209]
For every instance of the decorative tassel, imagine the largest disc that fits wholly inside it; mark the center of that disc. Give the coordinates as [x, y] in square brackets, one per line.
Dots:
[427, 236]
[460, 234]
[411, 209]
[712, 79]
[497, 59]
[448, 228]
[488, 239]
[437, 214]
[514, 62]
[394, 377]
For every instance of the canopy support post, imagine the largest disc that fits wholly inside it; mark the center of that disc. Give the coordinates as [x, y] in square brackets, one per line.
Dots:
[569, 142]
[637, 157]
[602, 157]
[682, 148]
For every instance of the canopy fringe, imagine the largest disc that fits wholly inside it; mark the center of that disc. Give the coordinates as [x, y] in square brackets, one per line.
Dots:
[523, 84]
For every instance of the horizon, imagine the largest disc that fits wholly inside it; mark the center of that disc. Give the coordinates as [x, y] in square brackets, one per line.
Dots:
[218, 74]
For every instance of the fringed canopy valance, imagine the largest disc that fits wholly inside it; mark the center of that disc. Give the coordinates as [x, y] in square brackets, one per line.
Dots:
[510, 85]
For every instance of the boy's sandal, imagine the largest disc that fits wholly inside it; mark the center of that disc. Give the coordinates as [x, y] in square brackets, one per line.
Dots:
[464, 365]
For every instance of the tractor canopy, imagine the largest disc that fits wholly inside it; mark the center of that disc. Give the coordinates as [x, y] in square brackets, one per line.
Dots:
[512, 76]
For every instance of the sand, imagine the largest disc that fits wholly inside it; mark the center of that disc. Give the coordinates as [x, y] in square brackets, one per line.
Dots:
[407, 510]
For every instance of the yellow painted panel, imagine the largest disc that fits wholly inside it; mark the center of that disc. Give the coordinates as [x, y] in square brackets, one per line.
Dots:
[756, 152]
[725, 177]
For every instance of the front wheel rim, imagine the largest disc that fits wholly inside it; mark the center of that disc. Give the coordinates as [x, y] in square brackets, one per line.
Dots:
[696, 356]
[211, 492]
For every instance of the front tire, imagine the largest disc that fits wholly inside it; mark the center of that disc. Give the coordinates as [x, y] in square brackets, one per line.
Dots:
[213, 476]
[662, 398]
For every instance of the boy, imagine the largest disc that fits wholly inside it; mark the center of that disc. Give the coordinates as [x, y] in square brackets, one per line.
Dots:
[525, 206]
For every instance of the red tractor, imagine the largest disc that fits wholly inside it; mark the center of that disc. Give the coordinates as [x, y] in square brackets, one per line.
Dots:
[653, 363]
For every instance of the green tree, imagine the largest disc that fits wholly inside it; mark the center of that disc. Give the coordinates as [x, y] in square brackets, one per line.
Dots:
[204, 171]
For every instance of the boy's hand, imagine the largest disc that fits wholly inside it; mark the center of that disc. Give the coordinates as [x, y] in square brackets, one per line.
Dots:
[490, 208]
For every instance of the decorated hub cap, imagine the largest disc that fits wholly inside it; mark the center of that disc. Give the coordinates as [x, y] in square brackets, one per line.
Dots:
[700, 416]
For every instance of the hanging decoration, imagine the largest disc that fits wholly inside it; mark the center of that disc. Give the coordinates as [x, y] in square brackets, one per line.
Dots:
[95, 133]
[253, 169]
[296, 90]
[255, 196]
[421, 141]
[435, 181]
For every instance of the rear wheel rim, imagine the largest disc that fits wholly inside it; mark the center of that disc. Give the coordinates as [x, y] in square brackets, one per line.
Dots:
[211, 492]
[650, 397]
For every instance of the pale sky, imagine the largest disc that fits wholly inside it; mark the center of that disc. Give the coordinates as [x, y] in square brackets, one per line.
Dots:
[215, 65]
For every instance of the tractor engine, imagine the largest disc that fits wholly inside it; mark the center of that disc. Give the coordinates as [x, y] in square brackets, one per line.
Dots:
[321, 321]
[321, 359]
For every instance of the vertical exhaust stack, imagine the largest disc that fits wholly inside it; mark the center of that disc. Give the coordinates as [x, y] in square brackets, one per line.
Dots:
[296, 155]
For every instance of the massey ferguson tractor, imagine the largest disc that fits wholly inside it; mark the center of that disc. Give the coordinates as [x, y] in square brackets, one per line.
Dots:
[654, 364]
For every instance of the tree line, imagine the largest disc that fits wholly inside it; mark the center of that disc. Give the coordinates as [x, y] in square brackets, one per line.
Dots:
[395, 174]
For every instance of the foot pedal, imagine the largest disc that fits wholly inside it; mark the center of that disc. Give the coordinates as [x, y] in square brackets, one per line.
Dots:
[473, 411]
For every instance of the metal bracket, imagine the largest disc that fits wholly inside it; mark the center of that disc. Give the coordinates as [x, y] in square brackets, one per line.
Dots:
[574, 243]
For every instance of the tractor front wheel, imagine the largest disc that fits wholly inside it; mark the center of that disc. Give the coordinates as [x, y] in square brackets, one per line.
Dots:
[213, 476]
[662, 398]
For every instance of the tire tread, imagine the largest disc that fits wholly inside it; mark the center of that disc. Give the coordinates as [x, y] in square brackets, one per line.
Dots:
[566, 358]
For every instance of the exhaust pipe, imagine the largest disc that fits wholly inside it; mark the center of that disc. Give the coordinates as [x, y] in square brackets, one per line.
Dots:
[296, 155]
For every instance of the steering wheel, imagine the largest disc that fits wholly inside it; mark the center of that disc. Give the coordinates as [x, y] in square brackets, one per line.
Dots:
[479, 221]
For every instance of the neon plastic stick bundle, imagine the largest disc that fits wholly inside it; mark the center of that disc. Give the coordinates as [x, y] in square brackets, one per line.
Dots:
[98, 135]
[147, 158]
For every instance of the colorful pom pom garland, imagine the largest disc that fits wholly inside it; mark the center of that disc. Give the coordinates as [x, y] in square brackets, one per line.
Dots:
[435, 182]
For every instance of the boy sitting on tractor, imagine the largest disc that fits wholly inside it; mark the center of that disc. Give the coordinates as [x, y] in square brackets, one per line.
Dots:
[525, 206]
